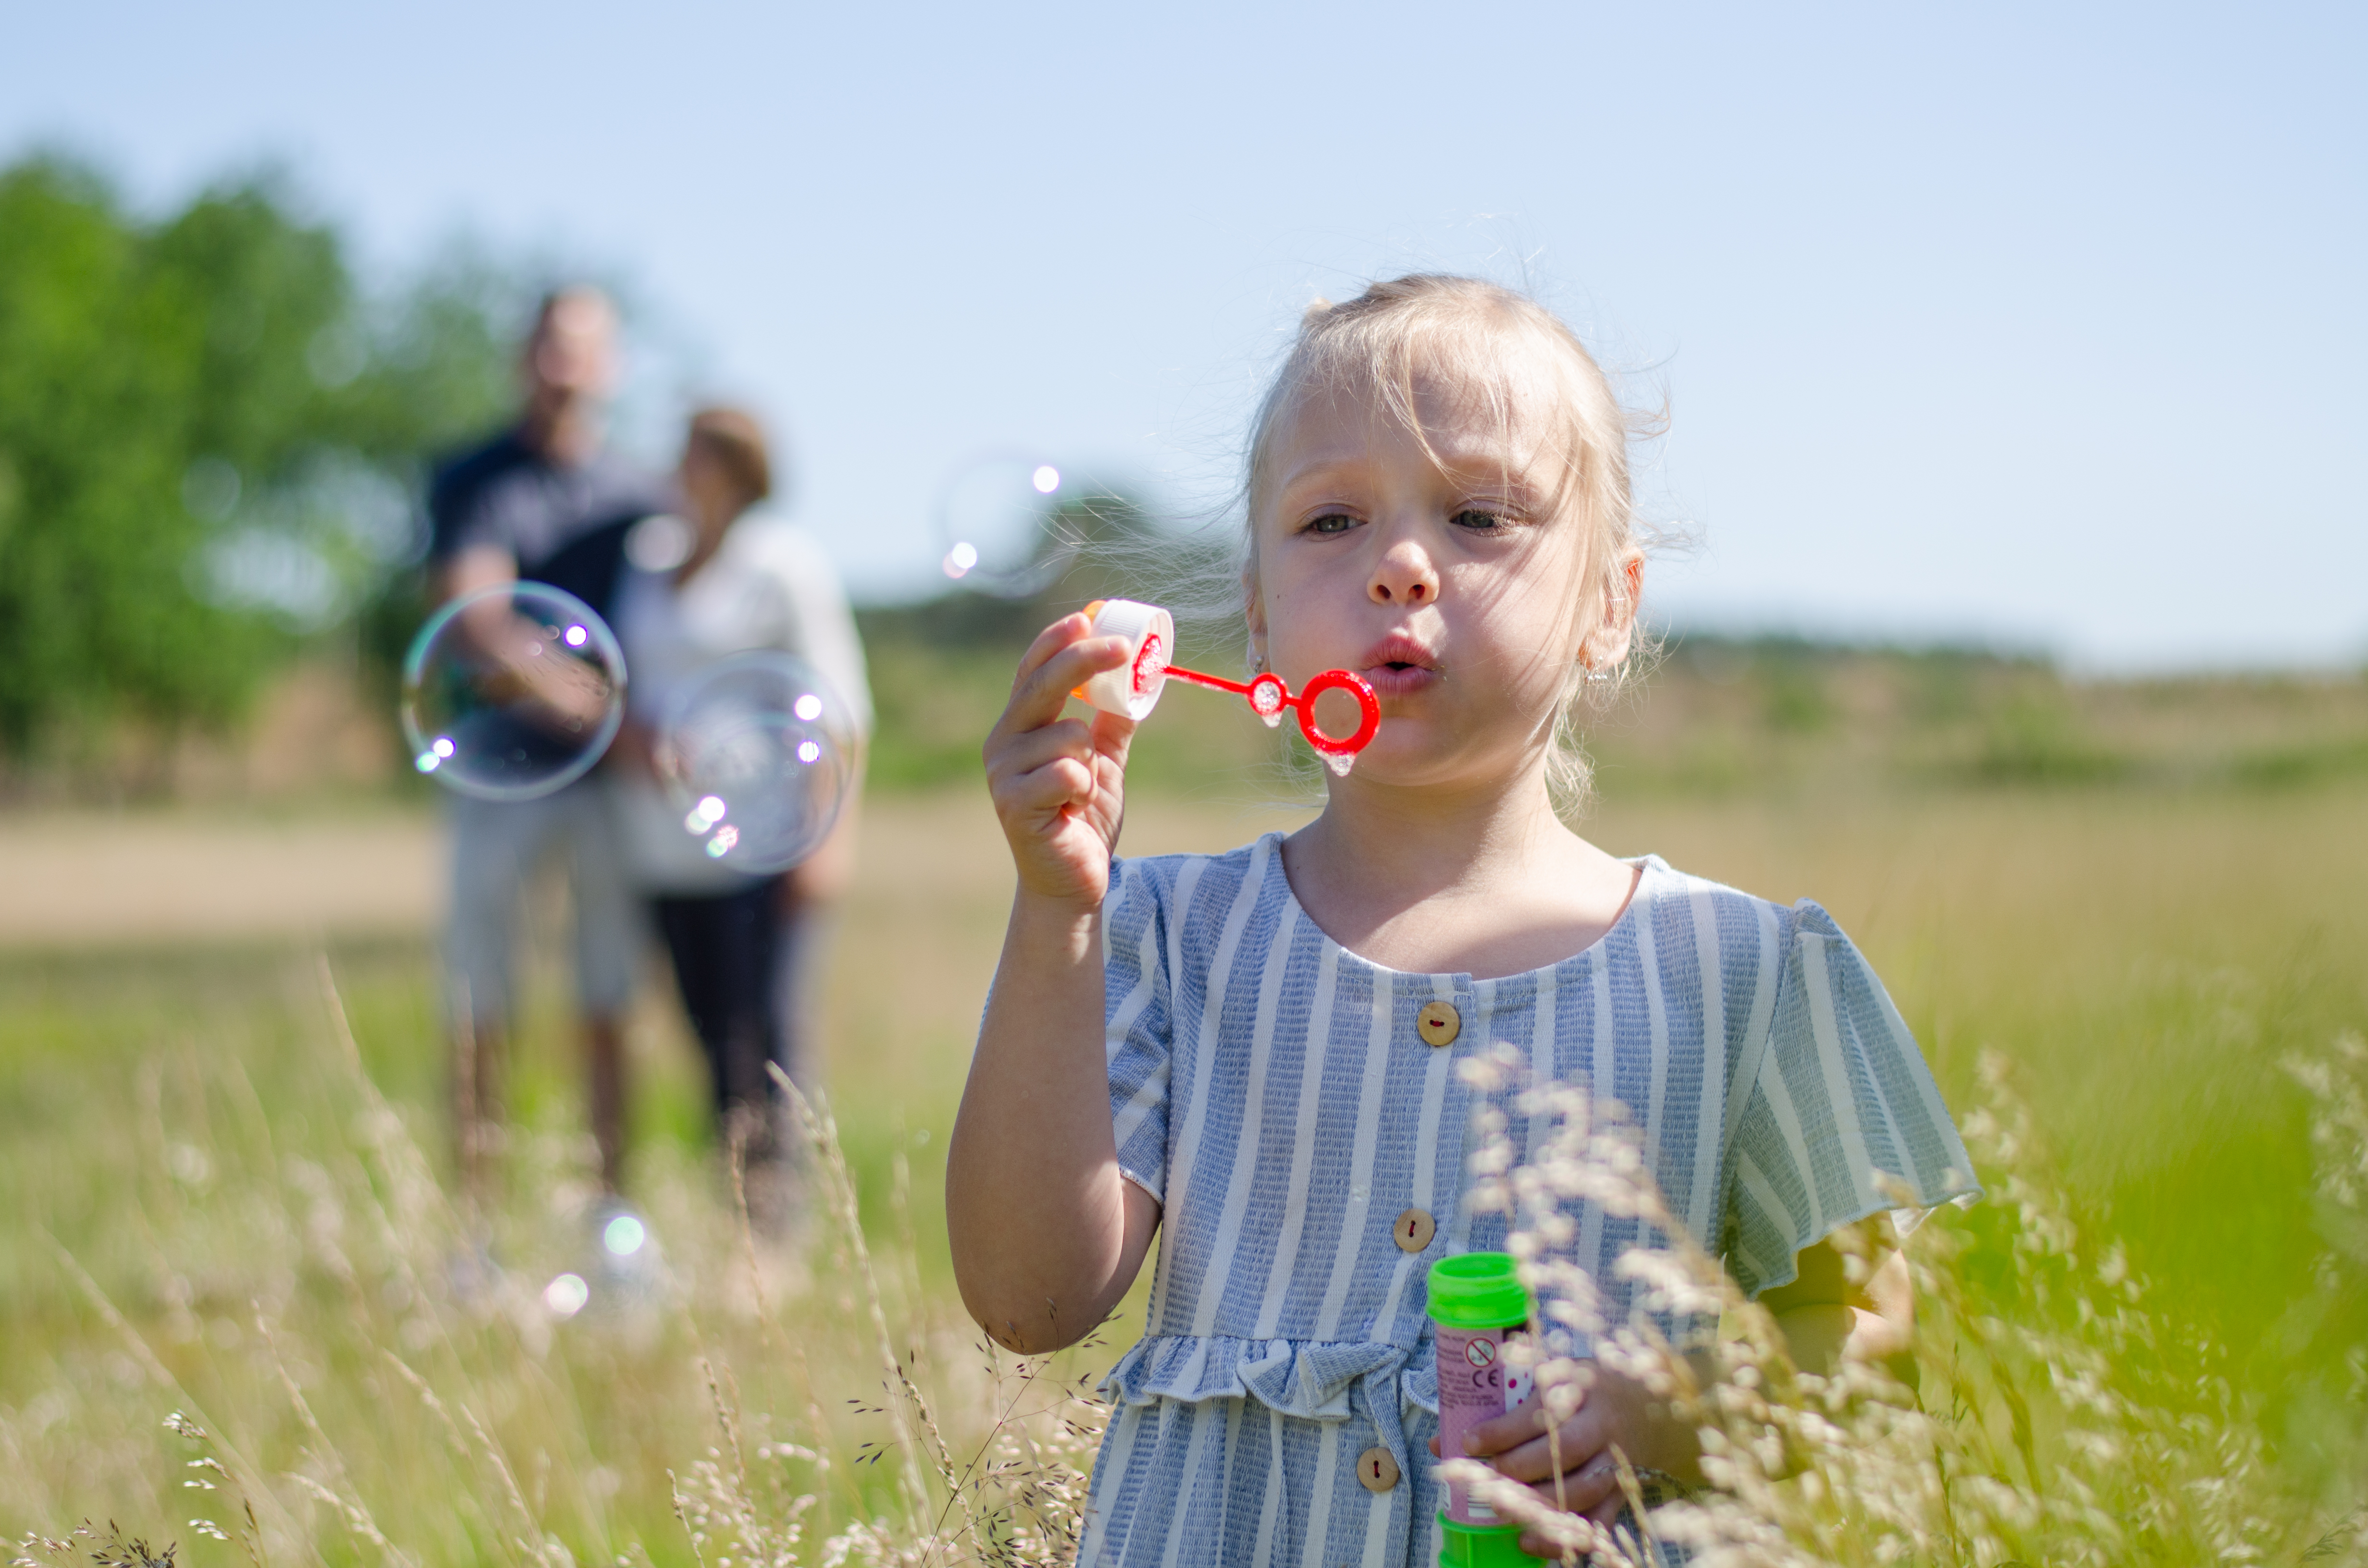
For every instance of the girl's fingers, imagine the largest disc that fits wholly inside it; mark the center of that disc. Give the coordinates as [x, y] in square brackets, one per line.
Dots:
[1500, 1434]
[1534, 1460]
[1037, 696]
[1072, 666]
[1048, 641]
[1043, 792]
[1032, 749]
[1579, 1441]
[1591, 1486]
[1056, 781]
[1112, 734]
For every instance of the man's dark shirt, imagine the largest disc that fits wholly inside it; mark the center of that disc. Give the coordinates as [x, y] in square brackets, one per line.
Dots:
[564, 526]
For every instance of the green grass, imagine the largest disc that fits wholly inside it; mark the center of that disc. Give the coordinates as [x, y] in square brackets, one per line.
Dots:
[204, 1190]
[185, 1129]
[2146, 960]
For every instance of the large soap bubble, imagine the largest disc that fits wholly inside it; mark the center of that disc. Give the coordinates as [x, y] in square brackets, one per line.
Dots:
[758, 753]
[512, 691]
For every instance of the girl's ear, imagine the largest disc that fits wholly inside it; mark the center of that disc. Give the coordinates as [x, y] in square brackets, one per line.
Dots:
[1616, 632]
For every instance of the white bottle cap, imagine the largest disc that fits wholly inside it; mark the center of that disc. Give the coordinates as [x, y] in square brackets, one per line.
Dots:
[1133, 689]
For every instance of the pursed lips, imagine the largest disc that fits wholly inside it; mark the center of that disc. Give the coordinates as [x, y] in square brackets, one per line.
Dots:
[1399, 666]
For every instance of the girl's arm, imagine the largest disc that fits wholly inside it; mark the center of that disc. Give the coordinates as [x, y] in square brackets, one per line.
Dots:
[1825, 1318]
[1046, 1234]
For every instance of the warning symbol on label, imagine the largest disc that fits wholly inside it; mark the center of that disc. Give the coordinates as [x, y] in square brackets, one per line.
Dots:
[1480, 1352]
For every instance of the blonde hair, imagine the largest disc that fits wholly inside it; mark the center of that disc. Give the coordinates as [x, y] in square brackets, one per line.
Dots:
[1482, 337]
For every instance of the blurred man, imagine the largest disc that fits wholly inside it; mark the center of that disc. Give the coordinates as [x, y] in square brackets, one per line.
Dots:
[541, 501]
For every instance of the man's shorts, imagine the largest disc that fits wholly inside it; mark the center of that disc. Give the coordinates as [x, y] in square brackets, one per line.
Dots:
[495, 846]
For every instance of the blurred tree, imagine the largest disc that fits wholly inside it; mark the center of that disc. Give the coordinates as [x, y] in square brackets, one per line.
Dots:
[208, 442]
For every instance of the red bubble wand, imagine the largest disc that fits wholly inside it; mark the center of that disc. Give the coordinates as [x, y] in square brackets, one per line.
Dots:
[1133, 689]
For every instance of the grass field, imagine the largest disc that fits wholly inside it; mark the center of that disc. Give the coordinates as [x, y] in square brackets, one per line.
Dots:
[209, 1204]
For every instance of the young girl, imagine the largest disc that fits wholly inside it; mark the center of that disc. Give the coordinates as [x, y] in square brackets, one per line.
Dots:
[1252, 1055]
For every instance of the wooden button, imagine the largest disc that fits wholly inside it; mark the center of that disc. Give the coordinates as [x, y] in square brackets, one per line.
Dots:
[1439, 1023]
[1414, 1231]
[1377, 1469]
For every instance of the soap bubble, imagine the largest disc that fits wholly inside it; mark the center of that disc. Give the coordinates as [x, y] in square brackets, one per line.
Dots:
[623, 1236]
[758, 754]
[512, 691]
[565, 1295]
[999, 535]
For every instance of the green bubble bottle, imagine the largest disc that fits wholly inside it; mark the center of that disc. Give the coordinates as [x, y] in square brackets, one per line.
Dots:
[1476, 1303]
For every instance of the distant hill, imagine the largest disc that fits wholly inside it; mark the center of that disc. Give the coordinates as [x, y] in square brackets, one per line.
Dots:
[1712, 715]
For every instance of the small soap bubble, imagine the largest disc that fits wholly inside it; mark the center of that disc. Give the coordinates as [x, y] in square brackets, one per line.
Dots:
[757, 751]
[623, 1236]
[565, 1295]
[512, 691]
[1340, 762]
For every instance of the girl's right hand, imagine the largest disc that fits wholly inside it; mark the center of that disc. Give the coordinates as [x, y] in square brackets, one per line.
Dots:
[1059, 784]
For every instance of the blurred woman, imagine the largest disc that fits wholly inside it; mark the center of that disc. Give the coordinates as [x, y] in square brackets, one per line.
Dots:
[726, 578]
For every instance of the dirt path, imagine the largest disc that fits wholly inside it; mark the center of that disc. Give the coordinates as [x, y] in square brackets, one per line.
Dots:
[79, 879]
[102, 879]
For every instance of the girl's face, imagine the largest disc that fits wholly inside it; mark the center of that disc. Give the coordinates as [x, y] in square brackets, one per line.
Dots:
[1446, 577]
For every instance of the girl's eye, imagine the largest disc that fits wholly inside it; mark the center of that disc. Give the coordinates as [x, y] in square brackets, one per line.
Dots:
[1480, 520]
[1331, 523]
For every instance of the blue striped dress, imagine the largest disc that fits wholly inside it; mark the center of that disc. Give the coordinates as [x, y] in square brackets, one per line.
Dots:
[1274, 1092]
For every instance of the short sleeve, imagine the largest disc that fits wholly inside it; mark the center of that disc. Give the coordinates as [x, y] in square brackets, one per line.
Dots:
[1843, 1114]
[1138, 1035]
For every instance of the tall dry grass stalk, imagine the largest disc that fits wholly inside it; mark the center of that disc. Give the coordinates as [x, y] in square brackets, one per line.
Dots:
[359, 1369]
[330, 1361]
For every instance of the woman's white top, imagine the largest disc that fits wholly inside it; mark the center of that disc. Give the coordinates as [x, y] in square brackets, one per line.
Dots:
[768, 586]
[1297, 1112]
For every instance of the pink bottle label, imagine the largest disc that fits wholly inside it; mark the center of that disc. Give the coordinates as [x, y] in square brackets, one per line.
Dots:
[1474, 1385]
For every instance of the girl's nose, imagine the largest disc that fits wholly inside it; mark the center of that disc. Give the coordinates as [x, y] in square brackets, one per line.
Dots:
[1403, 575]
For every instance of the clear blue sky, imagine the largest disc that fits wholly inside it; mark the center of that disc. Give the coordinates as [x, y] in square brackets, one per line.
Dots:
[2036, 323]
